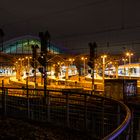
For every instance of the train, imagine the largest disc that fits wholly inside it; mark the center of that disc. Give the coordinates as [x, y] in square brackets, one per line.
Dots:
[132, 70]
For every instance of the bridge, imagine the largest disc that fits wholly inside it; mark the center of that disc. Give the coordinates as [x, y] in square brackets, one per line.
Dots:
[96, 116]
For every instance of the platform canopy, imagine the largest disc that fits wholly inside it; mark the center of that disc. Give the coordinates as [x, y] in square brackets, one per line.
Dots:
[6, 60]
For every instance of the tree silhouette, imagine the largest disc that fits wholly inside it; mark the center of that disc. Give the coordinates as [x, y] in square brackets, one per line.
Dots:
[1, 38]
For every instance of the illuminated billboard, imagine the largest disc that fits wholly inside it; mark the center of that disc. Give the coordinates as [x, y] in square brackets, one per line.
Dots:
[120, 88]
[130, 87]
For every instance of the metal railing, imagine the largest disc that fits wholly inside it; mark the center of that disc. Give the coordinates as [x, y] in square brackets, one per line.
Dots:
[99, 117]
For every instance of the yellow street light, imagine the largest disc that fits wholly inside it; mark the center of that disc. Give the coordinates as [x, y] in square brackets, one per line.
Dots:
[28, 62]
[71, 60]
[103, 57]
[20, 68]
[84, 60]
[103, 75]
[124, 60]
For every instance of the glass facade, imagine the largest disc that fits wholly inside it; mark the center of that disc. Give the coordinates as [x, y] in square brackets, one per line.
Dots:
[23, 46]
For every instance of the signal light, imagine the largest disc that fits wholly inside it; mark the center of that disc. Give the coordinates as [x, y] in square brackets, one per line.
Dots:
[33, 71]
[33, 63]
[89, 71]
[40, 69]
[34, 51]
[42, 60]
[90, 64]
[44, 75]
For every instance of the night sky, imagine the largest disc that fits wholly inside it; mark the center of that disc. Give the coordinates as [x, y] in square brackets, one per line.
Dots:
[74, 23]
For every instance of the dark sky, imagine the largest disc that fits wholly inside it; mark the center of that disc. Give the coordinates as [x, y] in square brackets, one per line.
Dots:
[74, 23]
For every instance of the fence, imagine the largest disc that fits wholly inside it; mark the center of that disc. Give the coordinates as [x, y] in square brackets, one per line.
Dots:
[101, 118]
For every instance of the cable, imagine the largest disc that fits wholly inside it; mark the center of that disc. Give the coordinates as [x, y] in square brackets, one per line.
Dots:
[59, 11]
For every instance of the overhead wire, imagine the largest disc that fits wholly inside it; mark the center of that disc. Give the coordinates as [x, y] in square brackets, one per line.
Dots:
[89, 4]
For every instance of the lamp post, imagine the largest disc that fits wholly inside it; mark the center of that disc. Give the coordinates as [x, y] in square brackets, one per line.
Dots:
[27, 71]
[129, 54]
[84, 60]
[71, 60]
[103, 69]
[21, 65]
[17, 71]
[71, 63]
[68, 63]
[28, 63]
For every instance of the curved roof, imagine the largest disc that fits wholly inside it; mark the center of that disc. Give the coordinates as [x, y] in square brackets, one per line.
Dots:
[22, 45]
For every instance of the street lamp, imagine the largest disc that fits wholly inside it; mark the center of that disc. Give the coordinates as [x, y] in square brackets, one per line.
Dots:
[71, 65]
[71, 60]
[129, 54]
[27, 71]
[17, 70]
[103, 69]
[21, 69]
[28, 64]
[103, 57]
[84, 60]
